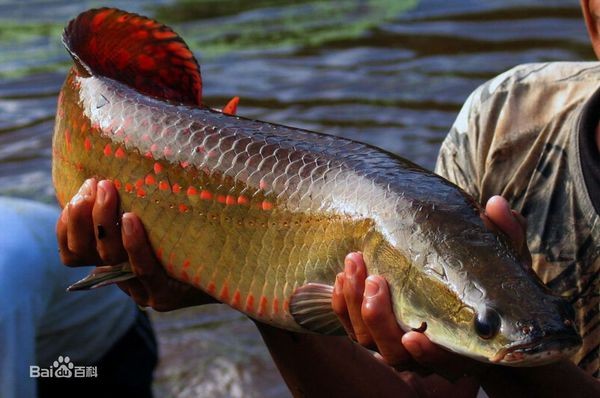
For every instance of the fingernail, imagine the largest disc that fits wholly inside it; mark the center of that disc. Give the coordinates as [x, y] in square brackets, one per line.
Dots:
[349, 267]
[83, 193]
[371, 288]
[338, 284]
[505, 206]
[413, 348]
[127, 226]
[86, 189]
[77, 198]
[100, 195]
[64, 216]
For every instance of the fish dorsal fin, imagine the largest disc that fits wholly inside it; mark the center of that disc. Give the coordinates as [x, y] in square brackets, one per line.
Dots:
[136, 51]
[231, 107]
[310, 306]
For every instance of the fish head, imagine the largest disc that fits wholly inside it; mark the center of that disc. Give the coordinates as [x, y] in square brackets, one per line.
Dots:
[517, 319]
[520, 322]
[512, 321]
[503, 313]
[475, 296]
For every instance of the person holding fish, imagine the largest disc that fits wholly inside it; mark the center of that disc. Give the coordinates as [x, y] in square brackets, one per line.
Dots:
[538, 119]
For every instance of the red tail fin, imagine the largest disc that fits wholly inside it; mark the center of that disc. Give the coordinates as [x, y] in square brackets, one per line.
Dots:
[136, 51]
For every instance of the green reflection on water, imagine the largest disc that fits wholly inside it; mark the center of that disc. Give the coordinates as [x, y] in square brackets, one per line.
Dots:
[18, 33]
[287, 25]
[28, 48]
[213, 28]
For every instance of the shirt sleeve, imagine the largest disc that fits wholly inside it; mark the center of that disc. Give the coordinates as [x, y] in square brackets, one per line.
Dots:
[479, 153]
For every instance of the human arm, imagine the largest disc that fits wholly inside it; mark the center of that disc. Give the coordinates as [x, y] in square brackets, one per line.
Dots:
[331, 366]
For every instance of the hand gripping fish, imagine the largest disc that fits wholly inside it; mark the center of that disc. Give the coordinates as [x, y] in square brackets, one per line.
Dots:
[261, 215]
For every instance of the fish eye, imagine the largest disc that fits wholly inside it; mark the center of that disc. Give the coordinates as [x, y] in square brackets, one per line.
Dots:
[487, 323]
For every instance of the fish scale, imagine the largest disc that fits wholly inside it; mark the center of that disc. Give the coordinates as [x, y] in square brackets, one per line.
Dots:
[261, 215]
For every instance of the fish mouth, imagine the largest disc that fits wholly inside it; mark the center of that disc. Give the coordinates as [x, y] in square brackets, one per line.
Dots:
[538, 352]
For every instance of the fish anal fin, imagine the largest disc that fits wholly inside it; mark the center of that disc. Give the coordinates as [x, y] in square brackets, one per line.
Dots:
[136, 51]
[310, 305]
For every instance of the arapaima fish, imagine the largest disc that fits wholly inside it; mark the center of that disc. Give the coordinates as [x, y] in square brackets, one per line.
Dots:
[261, 215]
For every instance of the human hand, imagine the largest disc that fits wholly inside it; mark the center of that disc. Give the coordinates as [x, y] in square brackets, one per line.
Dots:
[363, 305]
[90, 231]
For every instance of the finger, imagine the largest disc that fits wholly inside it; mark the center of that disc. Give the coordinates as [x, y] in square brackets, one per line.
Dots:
[80, 233]
[449, 365]
[499, 212]
[355, 273]
[153, 286]
[511, 223]
[524, 252]
[106, 224]
[139, 250]
[379, 318]
[520, 219]
[338, 303]
[66, 256]
[143, 262]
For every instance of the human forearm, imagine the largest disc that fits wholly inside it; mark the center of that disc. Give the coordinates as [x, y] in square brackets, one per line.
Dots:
[322, 366]
[328, 366]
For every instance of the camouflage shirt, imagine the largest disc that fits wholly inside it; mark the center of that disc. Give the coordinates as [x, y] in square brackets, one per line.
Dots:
[528, 135]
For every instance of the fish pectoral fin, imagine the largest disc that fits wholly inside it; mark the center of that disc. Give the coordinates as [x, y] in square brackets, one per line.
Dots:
[310, 305]
[103, 276]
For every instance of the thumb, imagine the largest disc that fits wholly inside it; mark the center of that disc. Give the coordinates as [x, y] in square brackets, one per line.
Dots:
[511, 223]
[499, 212]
